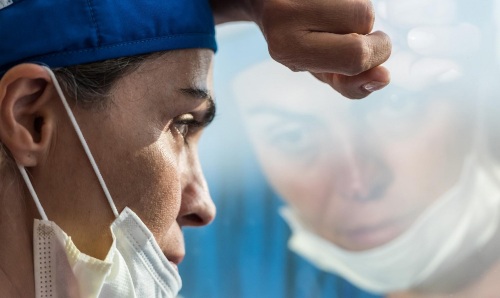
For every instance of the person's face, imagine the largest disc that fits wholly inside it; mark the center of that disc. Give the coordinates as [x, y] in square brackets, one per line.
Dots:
[358, 173]
[145, 144]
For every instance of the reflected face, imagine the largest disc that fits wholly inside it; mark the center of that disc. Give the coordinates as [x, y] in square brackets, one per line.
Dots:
[358, 172]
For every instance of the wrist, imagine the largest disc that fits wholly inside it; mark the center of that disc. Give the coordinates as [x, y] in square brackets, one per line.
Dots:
[236, 10]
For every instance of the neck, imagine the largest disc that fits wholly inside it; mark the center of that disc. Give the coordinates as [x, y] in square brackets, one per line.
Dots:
[16, 236]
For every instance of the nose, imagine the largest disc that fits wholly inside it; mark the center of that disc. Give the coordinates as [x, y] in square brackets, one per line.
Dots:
[360, 172]
[197, 208]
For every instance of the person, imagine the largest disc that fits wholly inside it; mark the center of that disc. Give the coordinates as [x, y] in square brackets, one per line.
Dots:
[398, 194]
[102, 105]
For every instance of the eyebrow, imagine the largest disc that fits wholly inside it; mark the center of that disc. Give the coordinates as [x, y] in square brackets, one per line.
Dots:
[277, 112]
[197, 93]
[284, 115]
[202, 94]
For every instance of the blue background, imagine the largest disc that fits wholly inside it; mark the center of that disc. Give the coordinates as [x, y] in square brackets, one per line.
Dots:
[244, 253]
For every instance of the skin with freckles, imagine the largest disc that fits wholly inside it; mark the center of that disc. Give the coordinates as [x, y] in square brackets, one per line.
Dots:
[144, 142]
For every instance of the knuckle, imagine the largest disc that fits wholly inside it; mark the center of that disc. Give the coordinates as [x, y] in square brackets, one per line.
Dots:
[284, 53]
[352, 94]
[387, 45]
[343, 85]
[295, 68]
[286, 60]
[347, 89]
[277, 51]
[359, 56]
[364, 15]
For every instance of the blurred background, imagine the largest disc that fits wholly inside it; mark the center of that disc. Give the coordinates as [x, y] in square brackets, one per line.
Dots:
[395, 195]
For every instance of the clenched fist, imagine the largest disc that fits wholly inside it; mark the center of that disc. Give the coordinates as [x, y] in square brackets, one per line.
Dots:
[331, 39]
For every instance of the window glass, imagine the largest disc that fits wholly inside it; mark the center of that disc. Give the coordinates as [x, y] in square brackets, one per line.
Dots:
[395, 195]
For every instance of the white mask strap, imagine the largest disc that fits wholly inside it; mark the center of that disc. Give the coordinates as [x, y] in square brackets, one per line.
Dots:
[85, 147]
[32, 191]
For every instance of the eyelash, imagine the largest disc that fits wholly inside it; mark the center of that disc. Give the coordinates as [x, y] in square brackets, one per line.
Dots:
[191, 124]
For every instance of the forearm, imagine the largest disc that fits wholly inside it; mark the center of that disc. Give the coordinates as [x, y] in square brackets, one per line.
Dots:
[235, 10]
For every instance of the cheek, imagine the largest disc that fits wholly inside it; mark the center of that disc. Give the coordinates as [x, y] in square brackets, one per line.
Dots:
[306, 186]
[429, 163]
[147, 180]
[161, 186]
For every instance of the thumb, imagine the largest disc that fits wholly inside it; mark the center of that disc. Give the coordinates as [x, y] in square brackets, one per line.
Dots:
[358, 86]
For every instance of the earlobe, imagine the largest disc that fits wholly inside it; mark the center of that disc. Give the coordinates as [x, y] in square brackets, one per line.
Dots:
[26, 113]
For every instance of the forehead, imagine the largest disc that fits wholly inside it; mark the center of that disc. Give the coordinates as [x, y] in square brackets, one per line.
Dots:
[154, 87]
[269, 84]
[189, 66]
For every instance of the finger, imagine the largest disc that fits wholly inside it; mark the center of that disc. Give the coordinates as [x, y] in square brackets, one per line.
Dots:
[445, 41]
[358, 86]
[340, 17]
[349, 54]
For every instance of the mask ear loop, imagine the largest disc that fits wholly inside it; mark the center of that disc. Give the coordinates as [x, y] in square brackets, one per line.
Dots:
[82, 141]
[85, 147]
[32, 191]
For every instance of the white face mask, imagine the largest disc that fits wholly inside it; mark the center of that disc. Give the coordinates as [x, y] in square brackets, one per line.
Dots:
[134, 267]
[457, 226]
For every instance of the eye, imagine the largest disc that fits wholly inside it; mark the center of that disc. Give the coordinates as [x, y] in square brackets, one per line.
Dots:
[183, 129]
[185, 125]
[399, 108]
[397, 116]
[294, 139]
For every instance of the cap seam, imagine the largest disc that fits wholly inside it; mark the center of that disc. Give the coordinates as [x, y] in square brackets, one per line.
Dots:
[94, 22]
[34, 59]
[121, 44]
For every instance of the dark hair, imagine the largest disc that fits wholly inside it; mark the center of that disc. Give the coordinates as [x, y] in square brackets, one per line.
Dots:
[88, 85]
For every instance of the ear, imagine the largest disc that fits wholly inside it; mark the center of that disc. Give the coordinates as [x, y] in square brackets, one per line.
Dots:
[27, 113]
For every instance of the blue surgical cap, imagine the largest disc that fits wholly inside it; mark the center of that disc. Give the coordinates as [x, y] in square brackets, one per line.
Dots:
[61, 33]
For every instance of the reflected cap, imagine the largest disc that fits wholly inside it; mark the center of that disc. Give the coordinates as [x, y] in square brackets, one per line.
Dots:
[62, 33]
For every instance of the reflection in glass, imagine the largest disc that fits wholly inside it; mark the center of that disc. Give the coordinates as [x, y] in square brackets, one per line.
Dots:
[398, 193]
